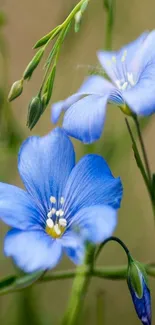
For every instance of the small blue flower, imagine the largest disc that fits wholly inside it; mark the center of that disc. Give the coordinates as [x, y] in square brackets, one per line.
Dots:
[131, 71]
[139, 289]
[64, 205]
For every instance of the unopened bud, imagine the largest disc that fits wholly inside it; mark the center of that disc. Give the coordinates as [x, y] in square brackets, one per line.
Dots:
[35, 110]
[33, 64]
[15, 90]
[78, 18]
[139, 289]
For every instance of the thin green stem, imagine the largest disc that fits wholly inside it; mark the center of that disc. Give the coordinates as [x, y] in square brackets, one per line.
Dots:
[112, 238]
[73, 12]
[106, 272]
[143, 148]
[109, 7]
[141, 167]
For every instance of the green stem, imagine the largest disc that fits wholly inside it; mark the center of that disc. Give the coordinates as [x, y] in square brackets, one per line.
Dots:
[79, 290]
[109, 7]
[143, 148]
[140, 164]
[106, 272]
[116, 239]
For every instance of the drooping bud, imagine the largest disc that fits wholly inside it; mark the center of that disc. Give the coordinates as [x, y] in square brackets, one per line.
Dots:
[35, 110]
[15, 90]
[139, 289]
[33, 64]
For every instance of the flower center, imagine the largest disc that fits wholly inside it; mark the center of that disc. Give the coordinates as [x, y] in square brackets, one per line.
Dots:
[56, 223]
[127, 79]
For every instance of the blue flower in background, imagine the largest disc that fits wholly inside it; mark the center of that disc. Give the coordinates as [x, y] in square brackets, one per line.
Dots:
[64, 205]
[131, 71]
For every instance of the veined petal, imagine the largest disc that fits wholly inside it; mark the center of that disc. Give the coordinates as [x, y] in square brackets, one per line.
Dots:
[95, 223]
[113, 61]
[17, 209]
[141, 98]
[74, 246]
[85, 119]
[93, 85]
[144, 58]
[91, 183]
[32, 250]
[45, 164]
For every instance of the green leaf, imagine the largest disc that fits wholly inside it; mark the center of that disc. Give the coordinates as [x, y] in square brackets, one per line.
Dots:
[47, 37]
[13, 283]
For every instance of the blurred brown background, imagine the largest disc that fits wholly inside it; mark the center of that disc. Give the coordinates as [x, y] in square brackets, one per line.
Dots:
[27, 21]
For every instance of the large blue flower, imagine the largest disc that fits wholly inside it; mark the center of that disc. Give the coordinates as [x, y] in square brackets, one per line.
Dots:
[64, 205]
[131, 71]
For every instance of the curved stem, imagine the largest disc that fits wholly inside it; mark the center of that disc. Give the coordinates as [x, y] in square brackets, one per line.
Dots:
[116, 239]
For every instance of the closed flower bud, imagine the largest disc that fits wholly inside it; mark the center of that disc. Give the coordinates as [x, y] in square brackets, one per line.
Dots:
[139, 289]
[33, 64]
[15, 90]
[35, 110]
[78, 18]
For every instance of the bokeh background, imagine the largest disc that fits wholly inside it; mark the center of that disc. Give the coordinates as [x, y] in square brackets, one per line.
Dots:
[26, 22]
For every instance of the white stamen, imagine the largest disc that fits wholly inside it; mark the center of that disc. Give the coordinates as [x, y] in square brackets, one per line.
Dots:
[63, 222]
[123, 87]
[123, 58]
[62, 200]
[113, 59]
[53, 210]
[57, 213]
[61, 213]
[57, 230]
[130, 78]
[50, 223]
[49, 214]
[118, 83]
[52, 199]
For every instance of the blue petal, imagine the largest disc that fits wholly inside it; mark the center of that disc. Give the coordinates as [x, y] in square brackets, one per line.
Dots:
[32, 250]
[73, 246]
[93, 85]
[45, 164]
[85, 119]
[142, 305]
[91, 183]
[17, 209]
[141, 98]
[95, 223]
[115, 70]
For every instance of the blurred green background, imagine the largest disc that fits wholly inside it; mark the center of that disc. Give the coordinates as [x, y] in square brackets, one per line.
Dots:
[27, 21]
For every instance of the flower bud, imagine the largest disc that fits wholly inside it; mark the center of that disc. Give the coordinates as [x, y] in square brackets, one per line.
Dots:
[15, 90]
[78, 18]
[33, 64]
[139, 289]
[35, 110]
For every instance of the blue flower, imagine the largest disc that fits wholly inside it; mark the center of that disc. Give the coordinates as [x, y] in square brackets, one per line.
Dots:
[131, 71]
[64, 205]
[139, 289]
